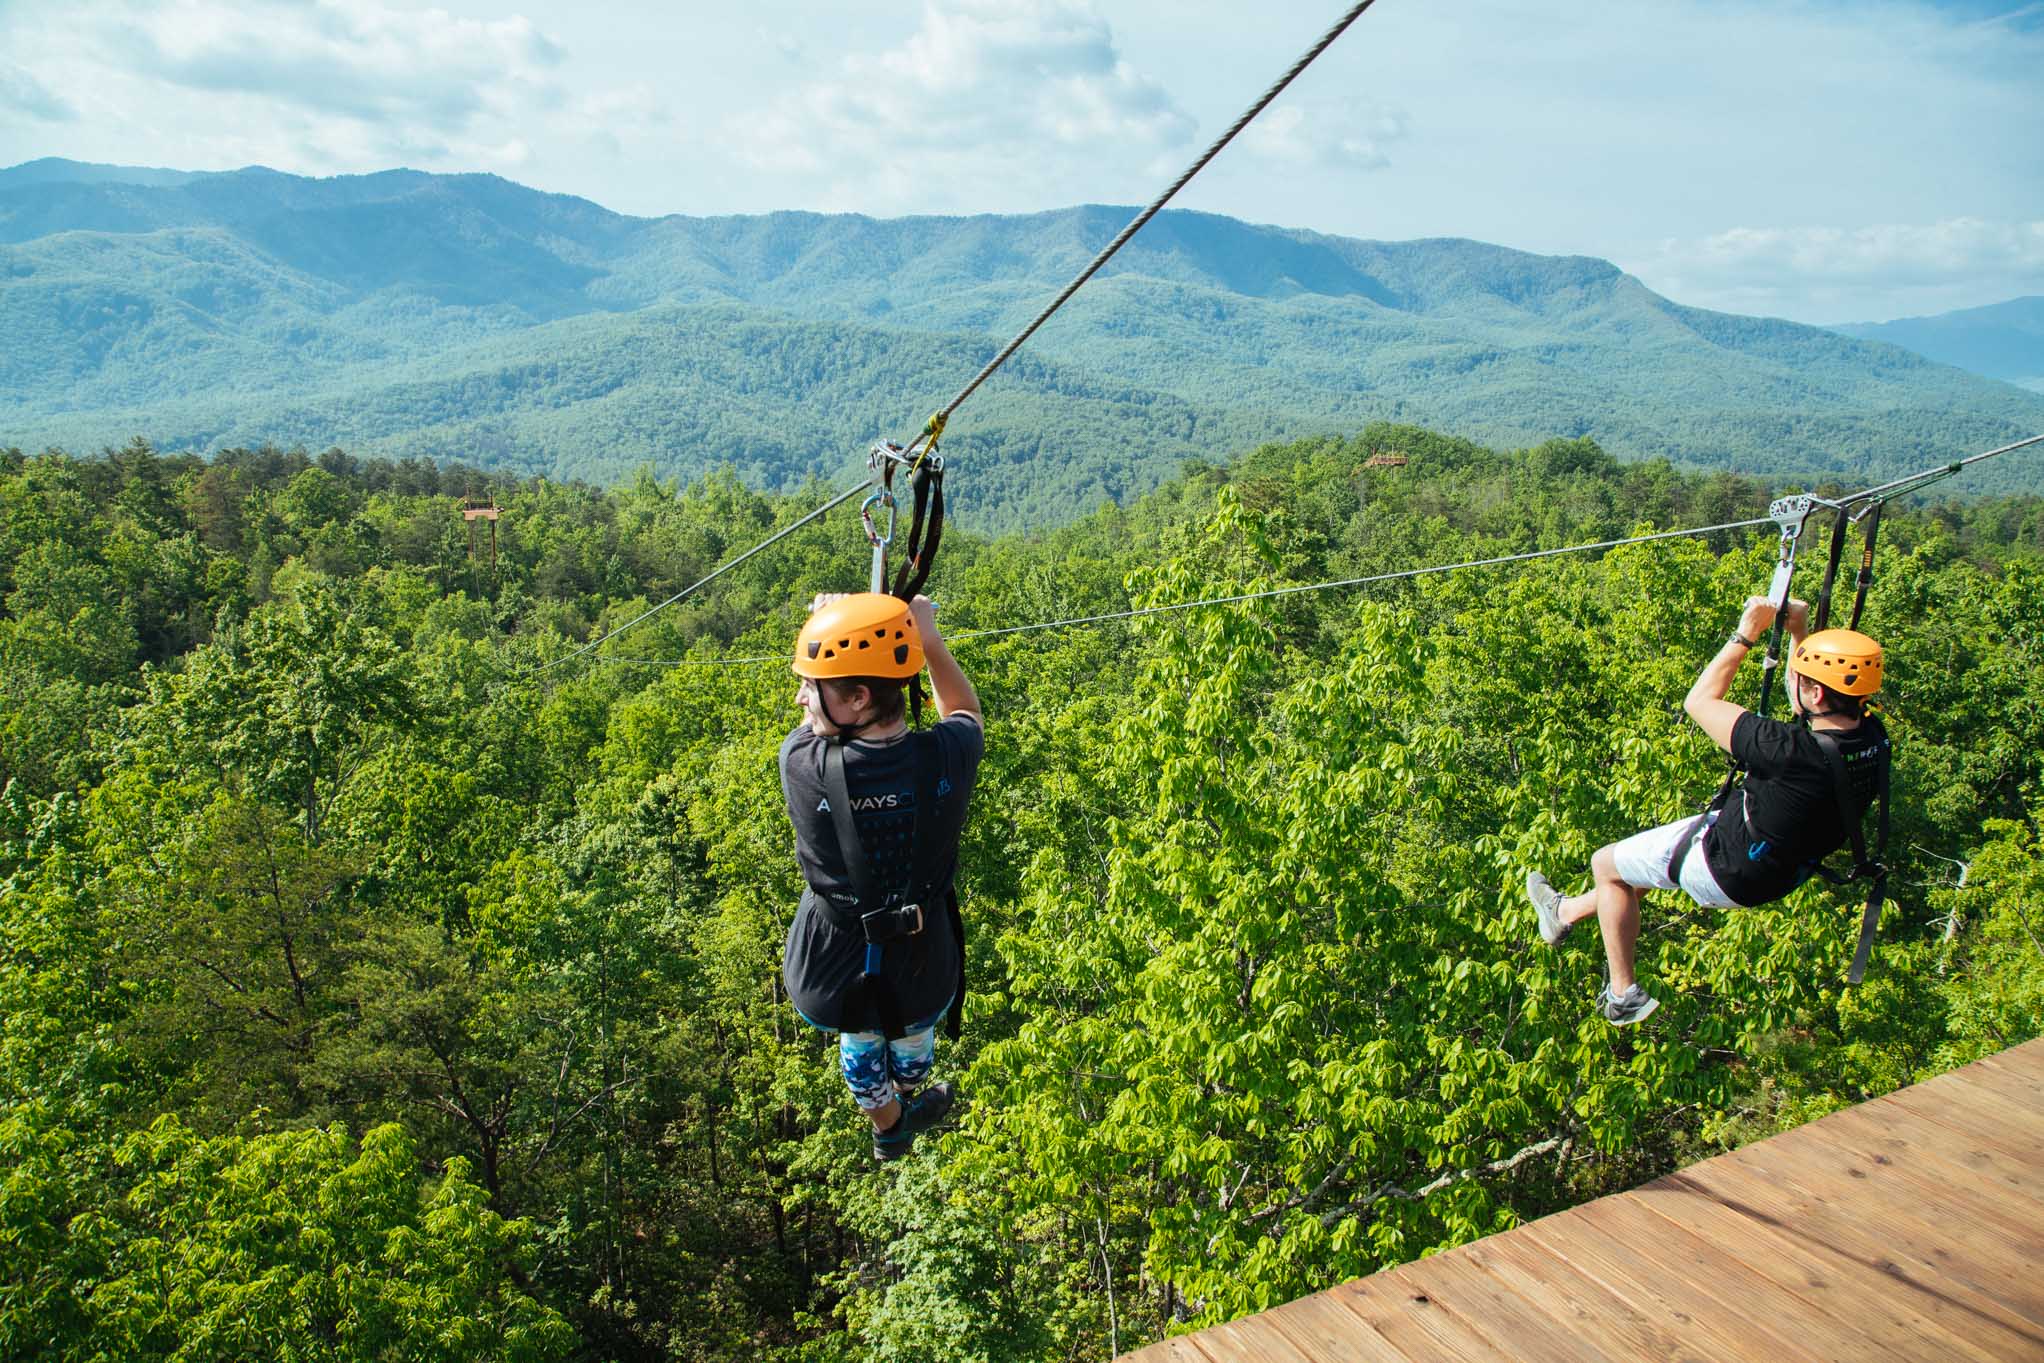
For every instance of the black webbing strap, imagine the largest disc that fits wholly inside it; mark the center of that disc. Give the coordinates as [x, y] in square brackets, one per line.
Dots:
[925, 870]
[924, 535]
[919, 484]
[1863, 865]
[1822, 615]
[1696, 826]
[1866, 565]
[872, 981]
[850, 849]
[922, 868]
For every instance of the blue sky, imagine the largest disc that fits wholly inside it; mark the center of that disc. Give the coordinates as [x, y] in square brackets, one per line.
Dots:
[1821, 161]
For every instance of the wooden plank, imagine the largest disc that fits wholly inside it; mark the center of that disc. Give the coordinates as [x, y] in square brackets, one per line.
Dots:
[1509, 1320]
[2027, 1058]
[2021, 1067]
[1885, 1237]
[1898, 1310]
[1659, 1295]
[1970, 1099]
[1582, 1302]
[1910, 1227]
[1922, 1179]
[1969, 1127]
[1398, 1307]
[1971, 1225]
[1323, 1330]
[1827, 1169]
[1177, 1349]
[1250, 1340]
[1716, 1274]
[1977, 1097]
[1895, 1131]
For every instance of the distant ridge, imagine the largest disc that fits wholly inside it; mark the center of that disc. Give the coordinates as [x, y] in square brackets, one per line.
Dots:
[468, 316]
[52, 170]
[2001, 340]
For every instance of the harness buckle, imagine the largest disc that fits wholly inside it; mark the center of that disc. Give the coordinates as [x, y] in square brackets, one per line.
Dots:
[884, 925]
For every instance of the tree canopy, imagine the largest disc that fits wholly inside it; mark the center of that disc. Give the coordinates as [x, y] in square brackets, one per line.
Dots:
[365, 993]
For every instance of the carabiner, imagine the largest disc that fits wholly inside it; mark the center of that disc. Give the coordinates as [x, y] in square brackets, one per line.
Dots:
[885, 498]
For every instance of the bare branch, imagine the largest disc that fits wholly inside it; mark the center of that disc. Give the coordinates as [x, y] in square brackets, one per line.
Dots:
[1447, 1180]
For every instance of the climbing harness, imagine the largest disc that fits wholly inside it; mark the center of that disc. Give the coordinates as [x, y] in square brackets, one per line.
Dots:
[892, 916]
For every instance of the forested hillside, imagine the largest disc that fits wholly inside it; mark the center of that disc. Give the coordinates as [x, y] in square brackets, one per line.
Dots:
[2002, 340]
[365, 994]
[468, 318]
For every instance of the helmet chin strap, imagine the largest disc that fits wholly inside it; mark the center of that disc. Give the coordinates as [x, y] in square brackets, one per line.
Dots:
[844, 731]
[1796, 700]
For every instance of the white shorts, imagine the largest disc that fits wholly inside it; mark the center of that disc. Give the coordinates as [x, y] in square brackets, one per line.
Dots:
[1643, 862]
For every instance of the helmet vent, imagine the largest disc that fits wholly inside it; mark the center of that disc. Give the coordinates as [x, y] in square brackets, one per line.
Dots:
[814, 645]
[900, 654]
[865, 643]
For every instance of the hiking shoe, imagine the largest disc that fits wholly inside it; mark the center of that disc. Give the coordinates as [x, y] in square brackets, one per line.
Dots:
[1547, 904]
[1622, 1010]
[919, 1112]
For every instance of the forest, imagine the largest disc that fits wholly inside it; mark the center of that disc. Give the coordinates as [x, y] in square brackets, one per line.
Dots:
[367, 992]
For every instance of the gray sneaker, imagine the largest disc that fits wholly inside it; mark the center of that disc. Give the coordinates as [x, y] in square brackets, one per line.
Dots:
[919, 1112]
[1547, 904]
[1622, 1010]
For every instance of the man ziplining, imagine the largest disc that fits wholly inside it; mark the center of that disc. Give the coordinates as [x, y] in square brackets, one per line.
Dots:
[1806, 787]
[876, 950]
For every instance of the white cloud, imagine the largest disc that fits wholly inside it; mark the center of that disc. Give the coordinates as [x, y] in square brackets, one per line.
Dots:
[1031, 100]
[1349, 134]
[317, 85]
[1829, 269]
[24, 94]
[362, 61]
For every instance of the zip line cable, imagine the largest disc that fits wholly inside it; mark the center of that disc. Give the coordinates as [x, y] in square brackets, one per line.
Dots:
[1073, 621]
[1897, 487]
[936, 423]
[766, 543]
[1400, 575]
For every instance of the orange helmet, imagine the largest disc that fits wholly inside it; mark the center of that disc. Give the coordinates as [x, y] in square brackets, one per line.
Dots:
[1843, 659]
[868, 634]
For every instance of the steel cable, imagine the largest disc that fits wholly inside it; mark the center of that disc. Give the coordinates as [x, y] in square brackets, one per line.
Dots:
[705, 581]
[1895, 487]
[1156, 205]
[971, 635]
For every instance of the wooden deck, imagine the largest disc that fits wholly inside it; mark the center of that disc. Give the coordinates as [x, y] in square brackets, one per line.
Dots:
[1910, 1227]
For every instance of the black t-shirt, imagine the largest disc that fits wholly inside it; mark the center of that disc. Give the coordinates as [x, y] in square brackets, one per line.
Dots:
[1783, 818]
[824, 960]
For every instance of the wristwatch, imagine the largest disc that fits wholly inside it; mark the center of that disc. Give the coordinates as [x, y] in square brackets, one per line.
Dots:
[1750, 643]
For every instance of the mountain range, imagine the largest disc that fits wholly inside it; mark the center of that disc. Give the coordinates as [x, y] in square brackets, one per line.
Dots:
[468, 317]
[2002, 340]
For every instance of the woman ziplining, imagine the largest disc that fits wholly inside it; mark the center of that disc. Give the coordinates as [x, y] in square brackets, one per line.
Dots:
[876, 952]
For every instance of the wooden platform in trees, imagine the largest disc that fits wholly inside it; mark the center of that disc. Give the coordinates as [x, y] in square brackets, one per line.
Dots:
[1909, 1227]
